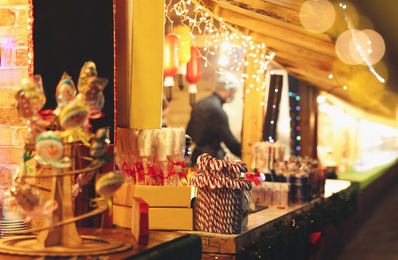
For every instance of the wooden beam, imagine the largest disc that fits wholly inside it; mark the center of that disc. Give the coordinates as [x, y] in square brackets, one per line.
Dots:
[280, 33]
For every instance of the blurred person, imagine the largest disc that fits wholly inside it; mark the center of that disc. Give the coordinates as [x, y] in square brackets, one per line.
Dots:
[208, 125]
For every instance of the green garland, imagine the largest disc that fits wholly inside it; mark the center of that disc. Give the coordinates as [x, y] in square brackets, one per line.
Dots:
[290, 239]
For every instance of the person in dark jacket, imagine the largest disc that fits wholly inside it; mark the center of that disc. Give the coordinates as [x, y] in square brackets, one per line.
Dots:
[208, 125]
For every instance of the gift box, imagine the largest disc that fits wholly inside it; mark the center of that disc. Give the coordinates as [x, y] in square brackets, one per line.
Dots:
[169, 206]
[155, 196]
[159, 218]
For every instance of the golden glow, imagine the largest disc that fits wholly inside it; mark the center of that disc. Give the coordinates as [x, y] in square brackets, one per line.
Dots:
[219, 38]
[317, 15]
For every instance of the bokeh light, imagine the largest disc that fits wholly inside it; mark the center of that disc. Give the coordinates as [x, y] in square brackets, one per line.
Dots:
[317, 15]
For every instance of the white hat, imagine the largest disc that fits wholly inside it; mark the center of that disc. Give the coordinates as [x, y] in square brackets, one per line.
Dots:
[227, 81]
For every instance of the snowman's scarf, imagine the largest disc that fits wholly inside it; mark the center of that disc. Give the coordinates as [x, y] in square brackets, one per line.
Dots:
[77, 134]
[61, 163]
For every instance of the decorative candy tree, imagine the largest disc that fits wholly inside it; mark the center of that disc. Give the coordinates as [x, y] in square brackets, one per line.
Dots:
[51, 141]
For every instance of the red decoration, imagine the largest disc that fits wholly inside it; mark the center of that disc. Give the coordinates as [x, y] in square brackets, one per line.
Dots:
[193, 67]
[193, 74]
[171, 55]
[140, 213]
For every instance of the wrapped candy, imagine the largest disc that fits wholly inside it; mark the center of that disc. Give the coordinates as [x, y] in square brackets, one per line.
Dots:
[31, 201]
[30, 100]
[65, 92]
[169, 141]
[98, 147]
[94, 96]
[100, 143]
[50, 150]
[179, 143]
[88, 71]
[161, 151]
[146, 142]
[33, 91]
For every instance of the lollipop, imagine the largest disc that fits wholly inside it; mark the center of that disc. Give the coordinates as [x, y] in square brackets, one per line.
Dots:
[89, 70]
[31, 201]
[99, 146]
[107, 185]
[93, 97]
[33, 91]
[50, 150]
[30, 100]
[65, 92]
[100, 143]
[73, 117]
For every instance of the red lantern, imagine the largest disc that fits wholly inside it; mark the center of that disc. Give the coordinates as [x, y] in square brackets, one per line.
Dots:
[170, 63]
[170, 55]
[193, 74]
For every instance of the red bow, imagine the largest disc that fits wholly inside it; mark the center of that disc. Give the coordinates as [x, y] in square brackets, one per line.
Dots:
[254, 177]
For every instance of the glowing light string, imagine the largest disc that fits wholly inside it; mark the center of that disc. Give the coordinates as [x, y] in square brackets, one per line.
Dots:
[358, 47]
[217, 33]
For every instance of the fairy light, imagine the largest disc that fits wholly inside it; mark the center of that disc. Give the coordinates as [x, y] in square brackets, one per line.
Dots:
[358, 46]
[30, 37]
[221, 38]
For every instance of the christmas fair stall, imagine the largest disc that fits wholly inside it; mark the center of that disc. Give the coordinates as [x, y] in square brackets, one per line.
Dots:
[228, 204]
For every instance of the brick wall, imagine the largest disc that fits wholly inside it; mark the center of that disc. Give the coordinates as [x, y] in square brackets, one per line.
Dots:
[14, 66]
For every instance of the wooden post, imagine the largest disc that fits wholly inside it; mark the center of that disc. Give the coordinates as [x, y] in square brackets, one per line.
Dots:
[61, 192]
[253, 114]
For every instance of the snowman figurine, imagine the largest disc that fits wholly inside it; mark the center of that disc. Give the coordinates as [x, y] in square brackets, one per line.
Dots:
[50, 150]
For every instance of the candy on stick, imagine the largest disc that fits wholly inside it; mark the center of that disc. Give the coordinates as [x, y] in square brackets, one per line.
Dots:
[100, 143]
[73, 117]
[98, 147]
[88, 71]
[50, 150]
[178, 155]
[106, 186]
[31, 201]
[169, 141]
[93, 97]
[65, 92]
[33, 89]
[179, 144]
[146, 142]
[161, 145]
[30, 100]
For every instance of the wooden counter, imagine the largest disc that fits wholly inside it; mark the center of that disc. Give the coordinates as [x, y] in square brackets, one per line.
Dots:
[227, 246]
[213, 245]
[162, 245]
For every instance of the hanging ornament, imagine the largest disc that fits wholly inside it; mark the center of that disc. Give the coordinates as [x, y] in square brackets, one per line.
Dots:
[170, 62]
[184, 51]
[184, 44]
[193, 74]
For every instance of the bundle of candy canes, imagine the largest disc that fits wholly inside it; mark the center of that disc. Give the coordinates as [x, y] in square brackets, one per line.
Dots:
[219, 204]
[152, 156]
[50, 130]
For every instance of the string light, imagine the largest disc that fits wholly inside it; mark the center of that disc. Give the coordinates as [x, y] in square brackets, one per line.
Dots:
[220, 38]
[30, 37]
[357, 45]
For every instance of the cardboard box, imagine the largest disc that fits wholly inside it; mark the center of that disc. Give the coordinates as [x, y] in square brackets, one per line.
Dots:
[155, 196]
[159, 218]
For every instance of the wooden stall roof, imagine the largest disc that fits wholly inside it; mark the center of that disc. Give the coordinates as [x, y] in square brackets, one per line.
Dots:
[311, 57]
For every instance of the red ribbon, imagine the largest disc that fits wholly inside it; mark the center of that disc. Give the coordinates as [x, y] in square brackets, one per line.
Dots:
[47, 114]
[128, 170]
[254, 177]
[139, 169]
